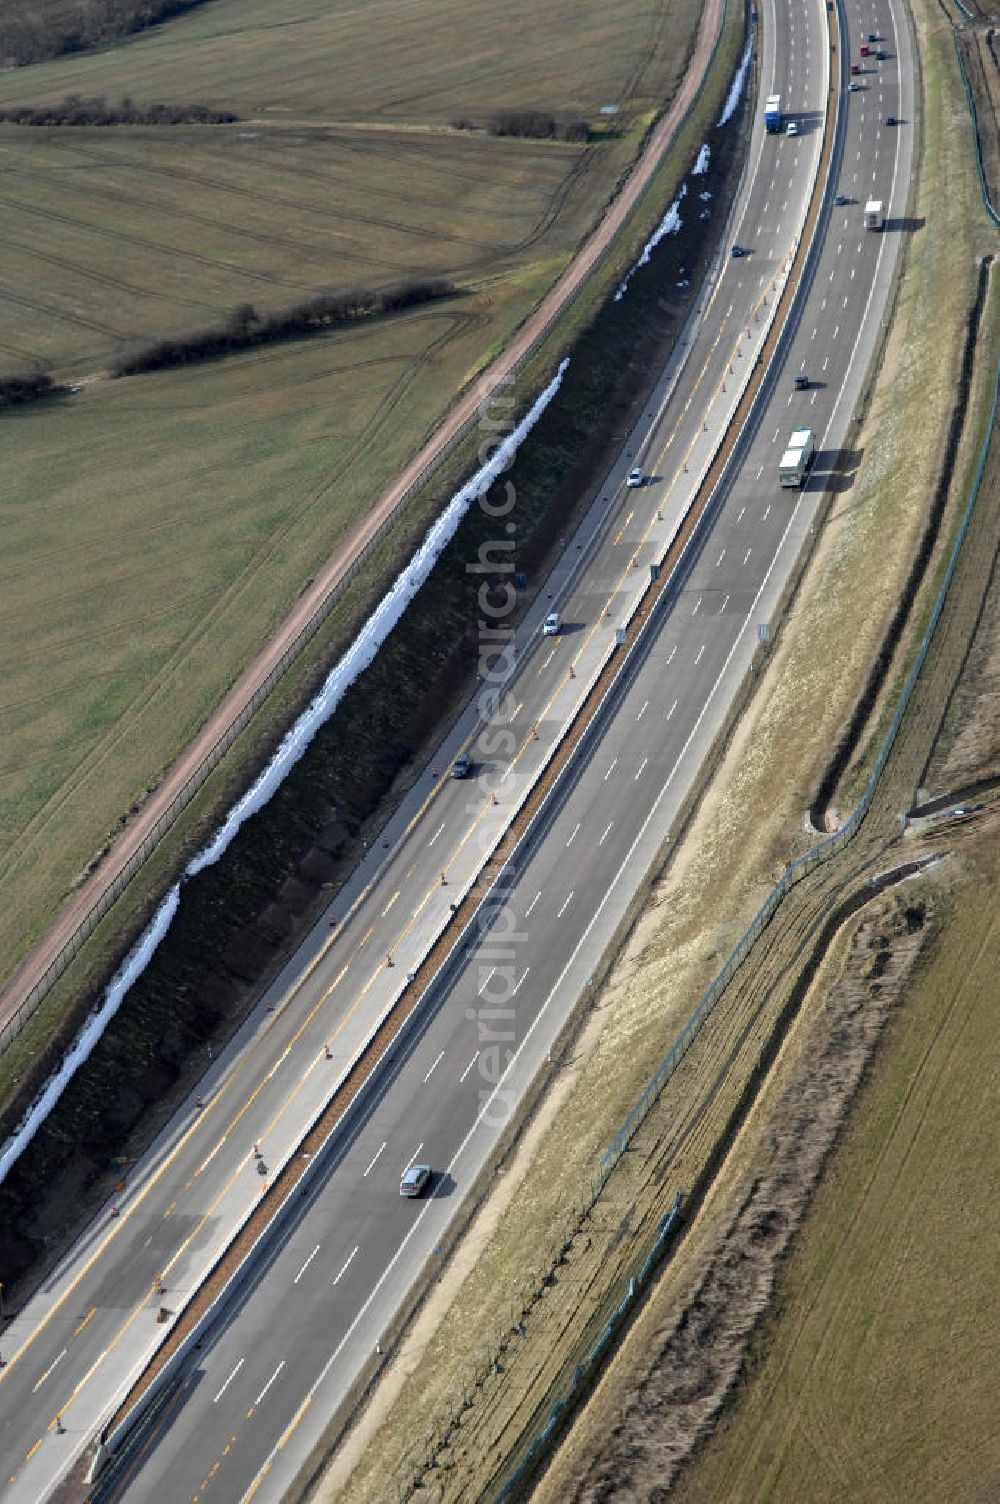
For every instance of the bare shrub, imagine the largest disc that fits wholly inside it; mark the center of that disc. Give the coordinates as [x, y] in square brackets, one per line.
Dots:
[245, 327]
[17, 389]
[75, 110]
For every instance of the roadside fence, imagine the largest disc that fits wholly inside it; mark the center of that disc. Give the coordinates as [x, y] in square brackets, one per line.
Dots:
[990, 209]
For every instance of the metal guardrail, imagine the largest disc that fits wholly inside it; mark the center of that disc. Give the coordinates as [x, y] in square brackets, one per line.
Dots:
[819, 853]
[214, 756]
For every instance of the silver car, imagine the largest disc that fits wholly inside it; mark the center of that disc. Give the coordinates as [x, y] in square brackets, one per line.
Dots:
[415, 1180]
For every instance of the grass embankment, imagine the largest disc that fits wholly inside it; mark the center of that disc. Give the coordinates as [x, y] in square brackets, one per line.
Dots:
[950, 214]
[156, 531]
[237, 918]
[704, 901]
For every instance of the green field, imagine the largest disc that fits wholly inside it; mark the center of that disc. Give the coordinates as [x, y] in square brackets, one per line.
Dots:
[345, 173]
[418, 62]
[155, 529]
[113, 236]
[158, 527]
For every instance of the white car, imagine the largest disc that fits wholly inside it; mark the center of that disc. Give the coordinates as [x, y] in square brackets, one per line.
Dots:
[634, 478]
[791, 129]
[552, 625]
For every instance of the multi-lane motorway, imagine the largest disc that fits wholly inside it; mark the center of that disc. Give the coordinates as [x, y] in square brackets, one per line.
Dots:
[256, 1400]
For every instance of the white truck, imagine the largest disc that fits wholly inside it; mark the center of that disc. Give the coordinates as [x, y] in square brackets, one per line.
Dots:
[797, 458]
[874, 214]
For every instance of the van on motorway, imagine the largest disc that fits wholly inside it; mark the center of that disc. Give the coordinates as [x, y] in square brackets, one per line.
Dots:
[552, 625]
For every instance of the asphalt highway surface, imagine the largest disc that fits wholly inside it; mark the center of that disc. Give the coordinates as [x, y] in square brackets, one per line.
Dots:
[257, 1399]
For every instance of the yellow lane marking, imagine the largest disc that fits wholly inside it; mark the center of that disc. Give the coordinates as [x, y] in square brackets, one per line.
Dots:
[284, 1438]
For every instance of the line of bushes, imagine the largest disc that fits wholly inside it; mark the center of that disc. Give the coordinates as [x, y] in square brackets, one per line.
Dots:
[18, 389]
[535, 124]
[75, 110]
[245, 327]
[32, 30]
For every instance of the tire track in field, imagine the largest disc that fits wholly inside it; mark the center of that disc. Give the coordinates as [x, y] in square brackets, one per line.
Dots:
[213, 223]
[104, 279]
[130, 237]
[255, 197]
[658, 34]
[59, 315]
[375, 147]
[552, 204]
[272, 156]
[160, 683]
[27, 356]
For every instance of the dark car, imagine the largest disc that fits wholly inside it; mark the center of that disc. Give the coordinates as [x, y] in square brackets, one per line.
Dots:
[802, 383]
[841, 199]
[738, 251]
[462, 766]
[881, 55]
[891, 120]
[873, 36]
